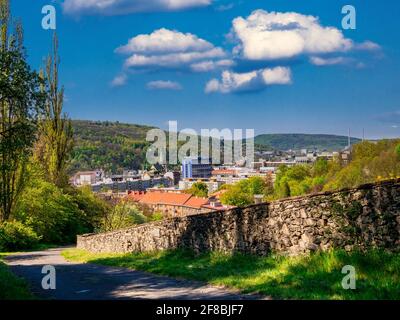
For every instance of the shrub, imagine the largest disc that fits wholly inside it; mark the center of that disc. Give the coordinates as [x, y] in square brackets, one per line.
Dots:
[198, 189]
[123, 215]
[15, 236]
[93, 208]
[51, 213]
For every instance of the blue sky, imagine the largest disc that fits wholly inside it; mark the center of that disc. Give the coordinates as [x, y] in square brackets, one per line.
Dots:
[320, 79]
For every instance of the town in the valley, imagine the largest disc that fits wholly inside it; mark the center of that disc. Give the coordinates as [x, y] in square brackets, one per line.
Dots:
[165, 191]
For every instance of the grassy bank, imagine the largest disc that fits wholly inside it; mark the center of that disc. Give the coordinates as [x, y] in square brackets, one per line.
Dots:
[312, 277]
[11, 286]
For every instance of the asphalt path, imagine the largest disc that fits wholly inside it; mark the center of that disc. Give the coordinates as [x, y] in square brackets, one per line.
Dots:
[79, 281]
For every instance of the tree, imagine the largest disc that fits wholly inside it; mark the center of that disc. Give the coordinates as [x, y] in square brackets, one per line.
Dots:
[269, 186]
[235, 196]
[56, 139]
[285, 190]
[21, 102]
[398, 151]
[123, 215]
[198, 189]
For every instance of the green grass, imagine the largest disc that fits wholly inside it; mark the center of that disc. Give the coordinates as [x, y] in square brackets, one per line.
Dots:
[11, 286]
[317, 276]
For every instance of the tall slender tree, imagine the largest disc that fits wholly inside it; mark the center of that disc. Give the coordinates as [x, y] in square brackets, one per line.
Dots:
[21, 102]
[56, 134]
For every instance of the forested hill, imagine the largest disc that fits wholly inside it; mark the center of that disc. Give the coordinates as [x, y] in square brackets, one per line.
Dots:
[303, 141]
[114, 146]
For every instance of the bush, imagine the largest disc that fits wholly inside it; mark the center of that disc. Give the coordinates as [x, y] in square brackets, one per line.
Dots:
[93, 208]
[123, 215]
[51, 213]
[15, 236]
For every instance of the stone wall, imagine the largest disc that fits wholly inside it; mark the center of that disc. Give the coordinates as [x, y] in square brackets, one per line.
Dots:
[366, 217]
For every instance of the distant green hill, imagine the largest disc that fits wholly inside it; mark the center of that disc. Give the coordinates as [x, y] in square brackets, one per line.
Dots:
[116, 146]
[303, 141]
[112, 146]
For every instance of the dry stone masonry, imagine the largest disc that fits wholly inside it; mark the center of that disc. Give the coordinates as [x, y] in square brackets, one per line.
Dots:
[362, 218]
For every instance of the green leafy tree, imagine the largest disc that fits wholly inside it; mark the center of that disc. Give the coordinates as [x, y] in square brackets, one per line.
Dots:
[235, 196]
[56, 138]
[198, 189]
[93, 208]
[124, 214]
[398, 151]
[21, 102]
[285, 190]
[242, 193]
[52, 214]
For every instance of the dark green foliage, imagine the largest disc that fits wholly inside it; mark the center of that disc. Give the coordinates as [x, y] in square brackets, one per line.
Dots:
[57, 216]
[11, 286]
[93, 208]
[198, 189]
[108, 145]
[398, 151]
[15, 236]
[21, 102]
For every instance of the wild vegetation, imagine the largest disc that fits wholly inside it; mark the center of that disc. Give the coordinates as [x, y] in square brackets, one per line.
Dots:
[124, 214]
[37, 204]
[198, 189]
[11, 286]
[112, 146]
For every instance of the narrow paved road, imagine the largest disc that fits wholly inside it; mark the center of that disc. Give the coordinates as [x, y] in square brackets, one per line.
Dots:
[77, 281]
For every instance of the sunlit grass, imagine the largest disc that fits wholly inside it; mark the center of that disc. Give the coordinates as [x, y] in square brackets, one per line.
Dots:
[317, 276]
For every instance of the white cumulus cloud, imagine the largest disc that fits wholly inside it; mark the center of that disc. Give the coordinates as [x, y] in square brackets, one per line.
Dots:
[249, 81]
[119, 7]
[169, 49]
[274, 35]
[210, 65]
[368, 46]
[318, 61]
[119, 80]
[163, 85]
[163, 41]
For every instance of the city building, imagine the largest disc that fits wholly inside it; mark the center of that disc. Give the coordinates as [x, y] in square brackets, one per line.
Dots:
[196, 168]
[175, 204]
[87, 177]
[175, 176]
[212, 184]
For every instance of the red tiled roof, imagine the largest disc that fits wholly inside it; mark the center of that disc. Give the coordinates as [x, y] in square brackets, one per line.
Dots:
[136, 196]
[195, 202]
[174, 199]
[178, 199]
